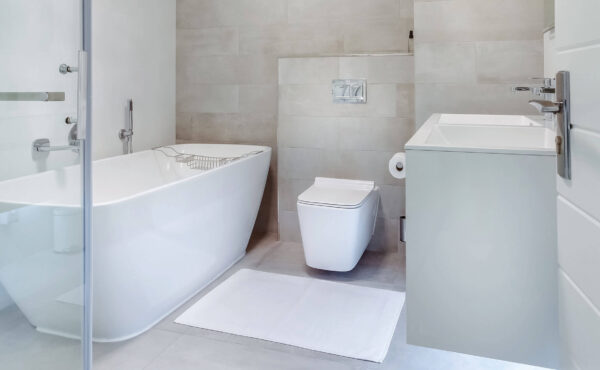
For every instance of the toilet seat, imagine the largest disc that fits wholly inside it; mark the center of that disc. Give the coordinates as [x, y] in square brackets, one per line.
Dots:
[337, 193]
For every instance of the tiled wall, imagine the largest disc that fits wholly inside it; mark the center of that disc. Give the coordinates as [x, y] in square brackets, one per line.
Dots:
[468, 53]
[227, 54]
[319, 138]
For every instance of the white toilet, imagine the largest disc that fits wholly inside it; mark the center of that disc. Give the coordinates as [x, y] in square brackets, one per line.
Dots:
[337, 220]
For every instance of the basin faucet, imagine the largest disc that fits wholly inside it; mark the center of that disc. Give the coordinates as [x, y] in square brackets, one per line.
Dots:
[548, 87]
[126, 134]
[546, 106]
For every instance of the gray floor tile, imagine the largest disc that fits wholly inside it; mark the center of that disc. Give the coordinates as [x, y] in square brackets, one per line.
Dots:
[134, 354]
[170, 346]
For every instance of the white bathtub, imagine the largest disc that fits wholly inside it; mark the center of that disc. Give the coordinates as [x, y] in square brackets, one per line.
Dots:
[161, 233]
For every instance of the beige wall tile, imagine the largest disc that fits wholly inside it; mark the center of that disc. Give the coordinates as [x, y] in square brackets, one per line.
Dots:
[208, 41]
[207, 98]
[310, 11]
[287, 40]
[376, 36]
[476, 20]
[377, 70]
[477, 99]
[197, 69]
[308, 70]
[257, 69]
[509, 61]
[206, 13]
[405, 95]
[448, 62]
[258, 99]
[317, 101]
[468, 53]
[374, 134]
[289, 191]
[392, 204]
[289, 226]
[308, 132]
[386, 236]
[234, 128]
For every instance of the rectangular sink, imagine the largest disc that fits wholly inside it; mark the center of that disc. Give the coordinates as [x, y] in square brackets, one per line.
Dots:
[484, 133]
[489, 119]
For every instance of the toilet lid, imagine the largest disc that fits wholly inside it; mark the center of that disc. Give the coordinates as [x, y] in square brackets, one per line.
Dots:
[337, 192]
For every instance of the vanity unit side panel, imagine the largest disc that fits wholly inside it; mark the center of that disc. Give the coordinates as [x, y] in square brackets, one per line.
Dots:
[481, 254]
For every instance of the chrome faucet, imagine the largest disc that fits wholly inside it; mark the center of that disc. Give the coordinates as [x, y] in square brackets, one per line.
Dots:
[548, 87]
[43, 145]
[126, 134]
[546, 106]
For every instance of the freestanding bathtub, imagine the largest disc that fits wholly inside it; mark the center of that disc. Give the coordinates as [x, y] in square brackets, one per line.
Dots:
[161, 233]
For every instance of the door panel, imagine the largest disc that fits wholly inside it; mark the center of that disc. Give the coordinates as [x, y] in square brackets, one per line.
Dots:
[578, 45]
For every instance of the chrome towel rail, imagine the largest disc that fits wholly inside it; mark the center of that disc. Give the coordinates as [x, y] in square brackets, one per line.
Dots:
[32, 96]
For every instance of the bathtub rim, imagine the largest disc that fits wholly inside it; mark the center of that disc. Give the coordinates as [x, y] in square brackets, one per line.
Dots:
[264, 150]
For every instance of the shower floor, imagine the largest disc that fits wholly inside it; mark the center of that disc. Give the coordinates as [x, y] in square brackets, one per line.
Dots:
[170, 346]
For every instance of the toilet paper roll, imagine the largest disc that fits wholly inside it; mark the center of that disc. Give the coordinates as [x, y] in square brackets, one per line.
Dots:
[398, 165]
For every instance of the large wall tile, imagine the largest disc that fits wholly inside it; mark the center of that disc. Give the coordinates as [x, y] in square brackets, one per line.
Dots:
[468, 53]
[476, 20]
[208, 41]
[509, 61]
[451, 62]
[195, 69]
[208, 99]
[316, 100]
[380, 70]
[308, 132]
[227, 70]
[308, 70]
[375, 37]
[475, 98]
[258, 99]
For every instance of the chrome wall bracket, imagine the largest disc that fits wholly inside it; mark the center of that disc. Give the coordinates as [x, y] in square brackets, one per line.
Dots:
[64, 69]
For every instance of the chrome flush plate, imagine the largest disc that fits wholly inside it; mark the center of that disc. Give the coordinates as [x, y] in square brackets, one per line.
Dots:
[349, 91]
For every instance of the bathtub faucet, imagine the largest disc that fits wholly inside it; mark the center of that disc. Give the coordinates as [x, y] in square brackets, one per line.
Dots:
[126, 134]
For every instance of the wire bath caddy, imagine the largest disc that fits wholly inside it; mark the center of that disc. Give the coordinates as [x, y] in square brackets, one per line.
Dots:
[198, 161]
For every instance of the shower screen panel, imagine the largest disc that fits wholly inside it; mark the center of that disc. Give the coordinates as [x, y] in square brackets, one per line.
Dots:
[44, 185]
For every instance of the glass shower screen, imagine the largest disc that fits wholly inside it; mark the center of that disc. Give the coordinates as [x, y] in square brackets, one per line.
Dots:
[44, 186]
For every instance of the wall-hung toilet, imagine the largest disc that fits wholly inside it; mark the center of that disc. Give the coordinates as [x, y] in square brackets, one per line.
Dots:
[337, 219]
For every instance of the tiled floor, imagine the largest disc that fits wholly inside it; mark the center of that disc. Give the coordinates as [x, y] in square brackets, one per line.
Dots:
[170, 346]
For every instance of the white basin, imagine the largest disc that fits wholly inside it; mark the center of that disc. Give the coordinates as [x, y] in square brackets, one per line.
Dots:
[489, 119]
[484, 133]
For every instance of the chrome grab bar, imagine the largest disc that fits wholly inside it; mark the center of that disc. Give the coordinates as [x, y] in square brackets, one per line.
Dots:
[32, 96]
[43, 145]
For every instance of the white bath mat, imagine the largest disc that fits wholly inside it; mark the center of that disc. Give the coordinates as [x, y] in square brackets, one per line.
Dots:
[337, 318]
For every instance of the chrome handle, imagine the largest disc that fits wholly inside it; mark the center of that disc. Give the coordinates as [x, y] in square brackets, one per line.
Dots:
[32, 96]
[563, 119]
[82, 81]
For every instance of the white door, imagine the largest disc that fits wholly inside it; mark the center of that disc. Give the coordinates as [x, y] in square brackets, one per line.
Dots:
[578, 44]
